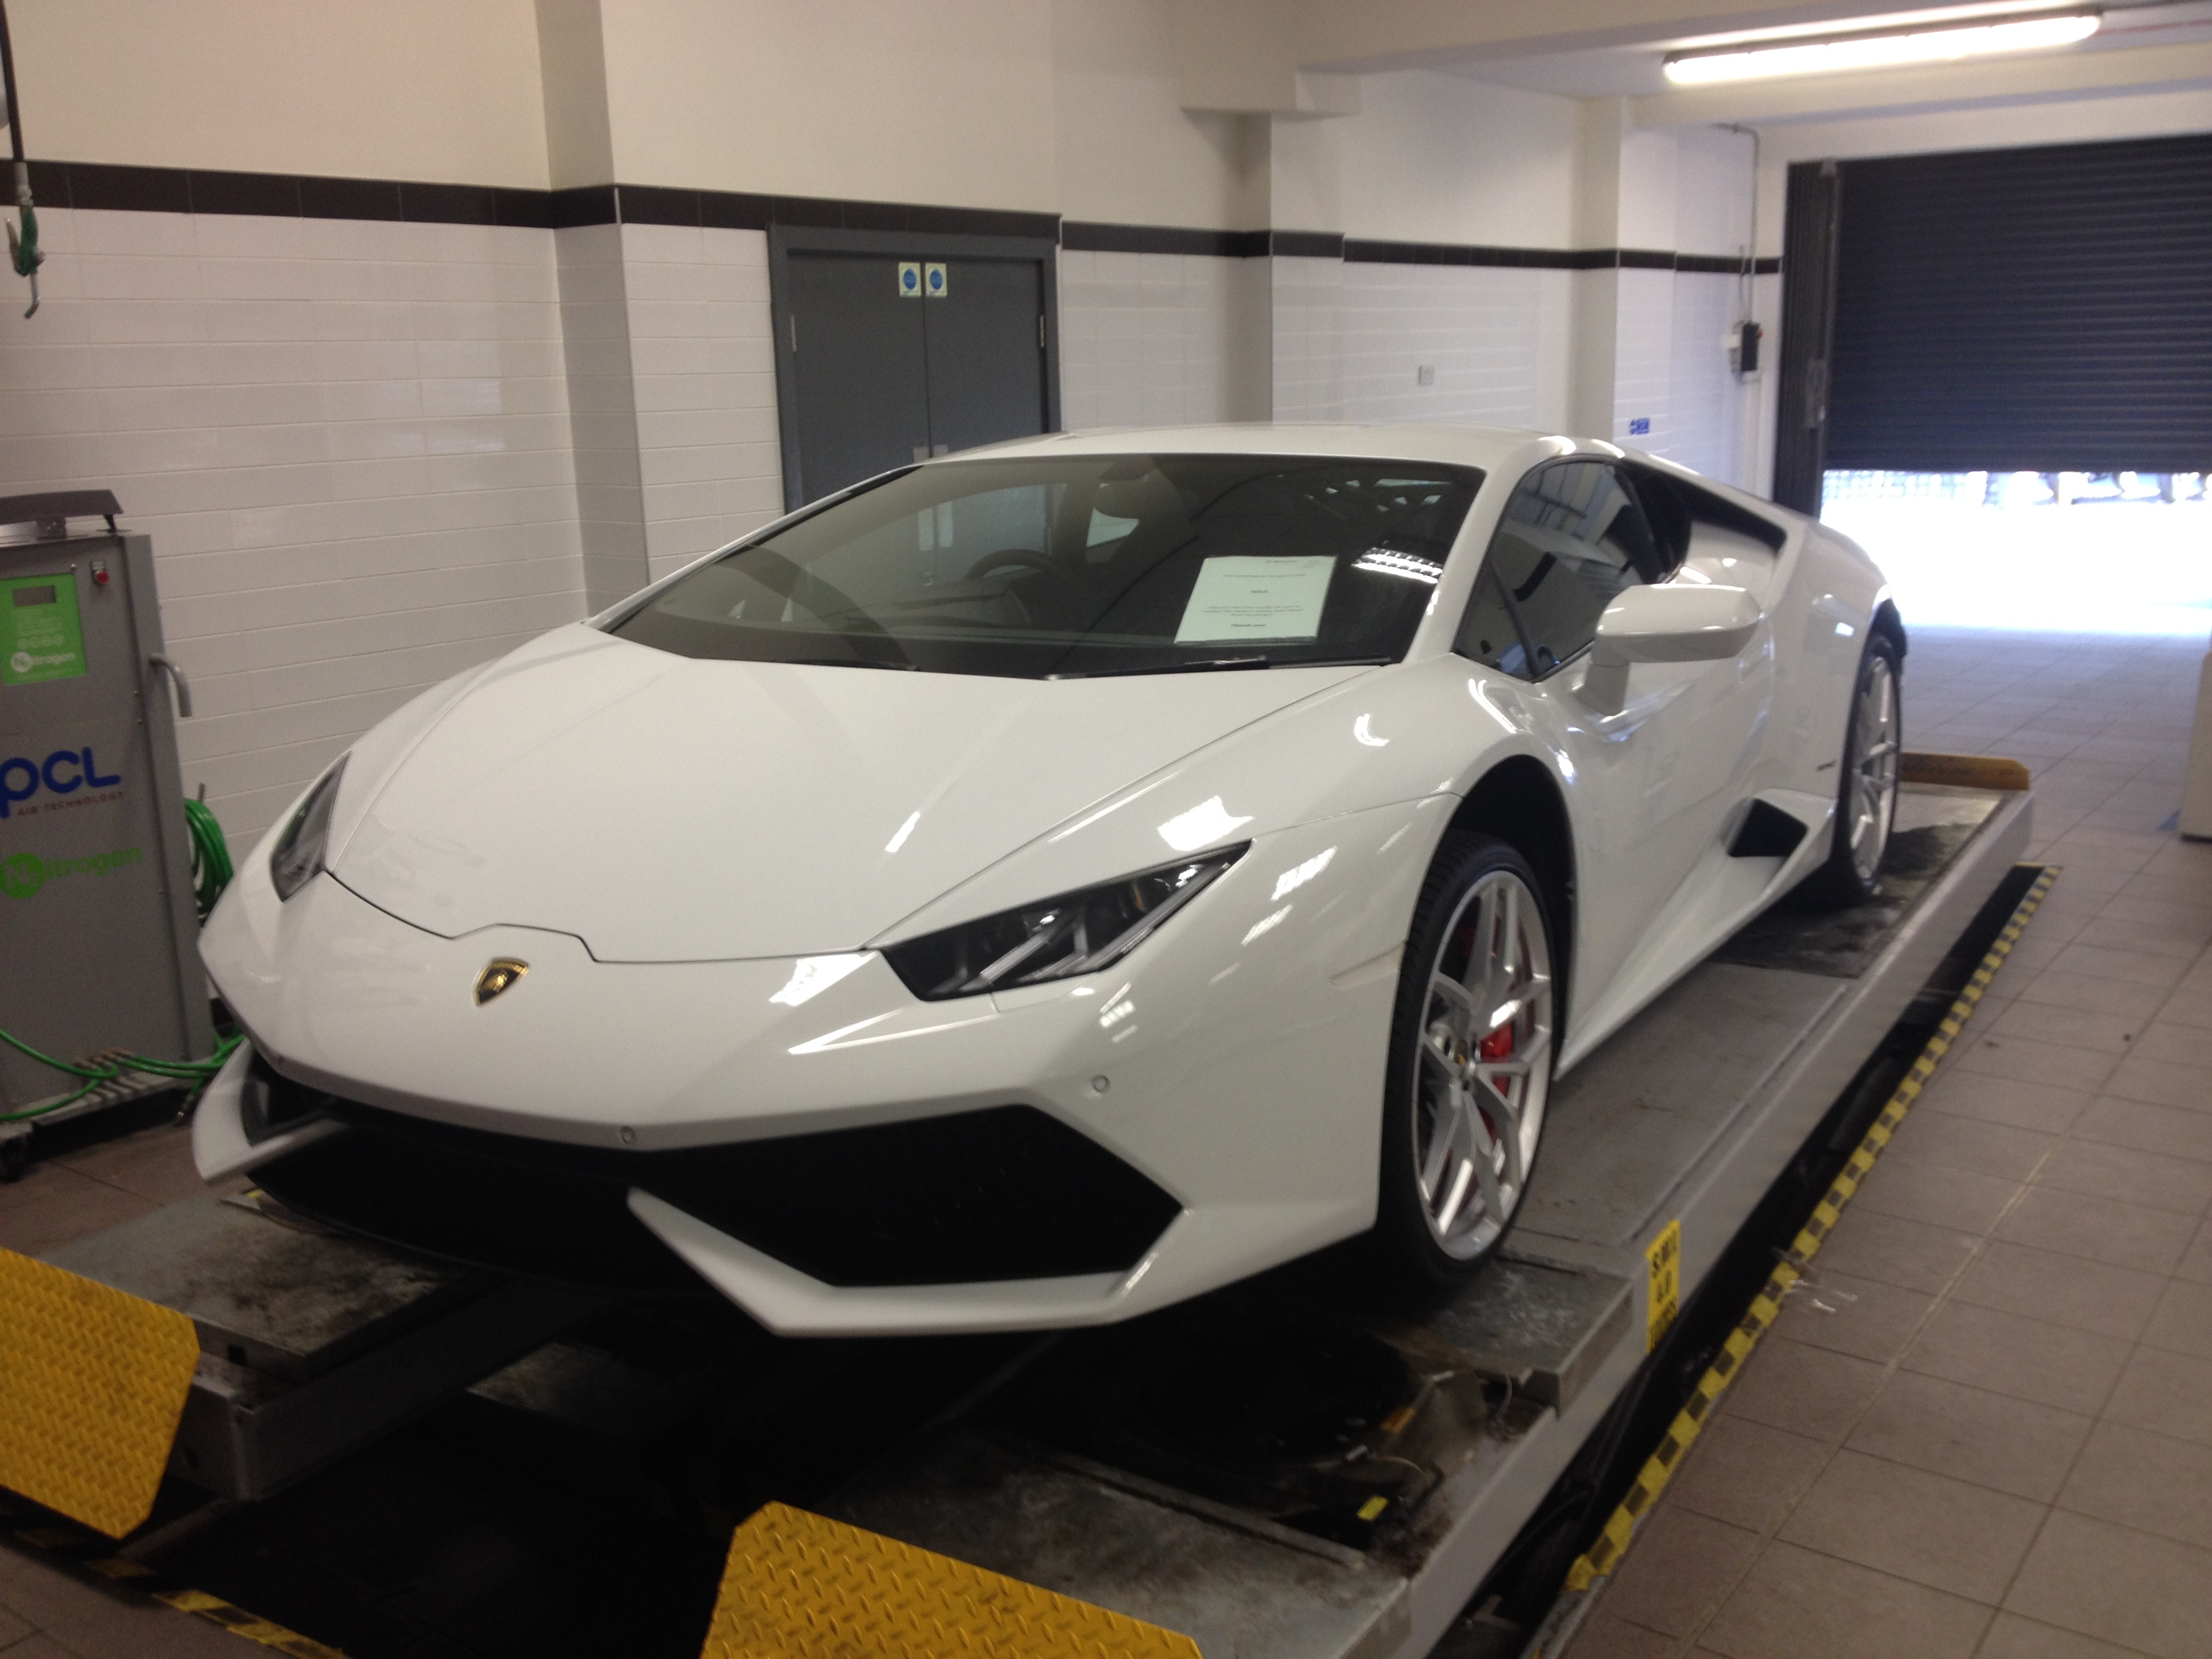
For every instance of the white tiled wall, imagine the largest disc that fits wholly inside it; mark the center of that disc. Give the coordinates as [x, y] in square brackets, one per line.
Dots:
[1671, 368]
[350, 443]
[1161, 339]
[703, 365]
[1643, 357]
[1705, 403]
[1496, 338]
[1307, 299]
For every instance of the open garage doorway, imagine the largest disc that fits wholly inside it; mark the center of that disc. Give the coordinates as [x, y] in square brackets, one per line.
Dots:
[2067, 552]
[1997, 376]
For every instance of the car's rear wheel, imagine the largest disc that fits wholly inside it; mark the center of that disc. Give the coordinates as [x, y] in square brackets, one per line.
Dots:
[1470, 1064]
[1866, 796]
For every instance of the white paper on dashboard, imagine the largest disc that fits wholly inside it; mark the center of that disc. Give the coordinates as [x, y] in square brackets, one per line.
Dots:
[1256, 598]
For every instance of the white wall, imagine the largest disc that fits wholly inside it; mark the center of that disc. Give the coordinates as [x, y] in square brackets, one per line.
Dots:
[1497, 339]
[350, 443]
[1160, 339]
[950, 102]
[1127, 151]
[418, 89]
[703, 386]
[1434, 158]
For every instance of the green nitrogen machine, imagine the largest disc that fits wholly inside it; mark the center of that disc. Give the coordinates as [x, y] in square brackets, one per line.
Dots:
[103, 1002]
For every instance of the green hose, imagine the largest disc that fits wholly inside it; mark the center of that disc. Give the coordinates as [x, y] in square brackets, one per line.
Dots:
[197, 1073]
[210, 855]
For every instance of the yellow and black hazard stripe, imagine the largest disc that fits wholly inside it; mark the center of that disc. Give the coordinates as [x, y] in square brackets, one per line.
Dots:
[87, 1551]
[1604, 1555]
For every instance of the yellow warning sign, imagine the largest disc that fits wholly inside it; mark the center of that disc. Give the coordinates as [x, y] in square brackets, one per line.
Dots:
[807, 1587]
[1662, 1256]
[92, 1383]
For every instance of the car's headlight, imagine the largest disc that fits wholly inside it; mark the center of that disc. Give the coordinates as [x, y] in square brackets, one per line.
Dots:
[299, 855]
[1075, 933]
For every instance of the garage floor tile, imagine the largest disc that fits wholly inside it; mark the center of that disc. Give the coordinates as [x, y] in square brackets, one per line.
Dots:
[2147, 1481]
[1993, 1440]
[1999, 1441]
[1935, 1530]
[2108, 1229]
[2012, 1637]
[2118, 1585]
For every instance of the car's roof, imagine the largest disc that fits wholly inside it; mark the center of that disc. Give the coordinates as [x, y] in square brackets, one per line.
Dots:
[1485, 446]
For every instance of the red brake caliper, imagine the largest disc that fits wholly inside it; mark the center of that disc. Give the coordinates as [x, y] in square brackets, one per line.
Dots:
[1498, 1045]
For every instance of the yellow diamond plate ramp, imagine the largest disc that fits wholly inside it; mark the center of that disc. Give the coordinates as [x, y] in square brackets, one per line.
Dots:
[92, 1383]
[806, 1587]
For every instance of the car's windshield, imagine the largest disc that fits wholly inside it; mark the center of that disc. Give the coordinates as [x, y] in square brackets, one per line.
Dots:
[1035, 567]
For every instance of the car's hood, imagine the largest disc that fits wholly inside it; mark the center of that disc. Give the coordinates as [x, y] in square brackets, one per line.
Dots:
[664, 808]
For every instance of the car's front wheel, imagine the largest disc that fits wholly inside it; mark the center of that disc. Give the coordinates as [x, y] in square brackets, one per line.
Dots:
[1470, 1063]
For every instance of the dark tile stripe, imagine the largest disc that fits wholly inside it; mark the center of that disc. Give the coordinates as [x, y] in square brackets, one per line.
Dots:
[176, 190]
[1081, 237]
[350, 199]
[1544, 259]
[1457, 253]
[268, 194]
[130, 190]
[593, 205]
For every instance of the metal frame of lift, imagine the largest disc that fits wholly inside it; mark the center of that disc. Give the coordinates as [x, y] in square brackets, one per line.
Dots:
[314, 1346]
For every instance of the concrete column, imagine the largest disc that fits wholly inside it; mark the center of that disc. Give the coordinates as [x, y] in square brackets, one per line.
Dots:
[595, 335]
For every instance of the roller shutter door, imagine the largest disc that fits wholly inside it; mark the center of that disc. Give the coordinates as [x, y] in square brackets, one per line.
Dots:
[2044, 309]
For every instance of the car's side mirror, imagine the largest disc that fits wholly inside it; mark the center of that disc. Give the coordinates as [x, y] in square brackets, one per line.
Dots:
[1667, 624]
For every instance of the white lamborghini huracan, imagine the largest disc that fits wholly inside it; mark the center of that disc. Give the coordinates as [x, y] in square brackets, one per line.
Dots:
[1036, 886]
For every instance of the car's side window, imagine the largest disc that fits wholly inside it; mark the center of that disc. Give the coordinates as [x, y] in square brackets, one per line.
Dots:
[1571, 540]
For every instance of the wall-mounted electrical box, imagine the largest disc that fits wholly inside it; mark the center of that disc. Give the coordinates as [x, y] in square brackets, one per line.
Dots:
[1743, 349]
[98, 930]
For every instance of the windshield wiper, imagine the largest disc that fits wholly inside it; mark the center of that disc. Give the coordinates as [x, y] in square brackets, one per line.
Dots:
[1162, 668]
[1225, 662]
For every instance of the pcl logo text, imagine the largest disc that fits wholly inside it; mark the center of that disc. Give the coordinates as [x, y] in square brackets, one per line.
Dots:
[63, 773]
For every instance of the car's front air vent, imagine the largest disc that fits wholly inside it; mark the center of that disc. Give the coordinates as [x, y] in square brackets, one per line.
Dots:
[1003, 1194]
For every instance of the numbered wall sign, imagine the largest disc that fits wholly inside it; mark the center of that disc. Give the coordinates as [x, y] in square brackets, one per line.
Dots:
[909, 279]
[934, 279]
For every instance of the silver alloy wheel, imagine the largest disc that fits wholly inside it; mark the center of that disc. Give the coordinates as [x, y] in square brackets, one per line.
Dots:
[1485, 1064]
[1873, 797]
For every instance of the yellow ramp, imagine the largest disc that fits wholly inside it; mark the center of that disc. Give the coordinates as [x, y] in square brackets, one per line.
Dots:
[806, 1587]
[92, 1383]
[1962, 771]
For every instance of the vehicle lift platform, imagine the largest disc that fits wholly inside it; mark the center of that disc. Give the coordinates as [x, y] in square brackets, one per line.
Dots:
[1199, 1470]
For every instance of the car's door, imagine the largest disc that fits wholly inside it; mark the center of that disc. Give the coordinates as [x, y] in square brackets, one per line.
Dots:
[1654, 783]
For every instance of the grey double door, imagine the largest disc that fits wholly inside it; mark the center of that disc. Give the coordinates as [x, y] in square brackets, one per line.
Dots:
[887, 358]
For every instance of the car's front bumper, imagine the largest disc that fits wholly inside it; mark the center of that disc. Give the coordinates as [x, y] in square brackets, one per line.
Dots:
[1241, 1055]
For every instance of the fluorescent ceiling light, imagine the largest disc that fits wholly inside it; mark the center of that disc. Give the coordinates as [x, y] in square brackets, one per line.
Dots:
[1879, 49]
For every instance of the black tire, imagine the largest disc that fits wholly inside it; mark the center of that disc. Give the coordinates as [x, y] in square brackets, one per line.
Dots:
[1849, 877]
[1405, 1241]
